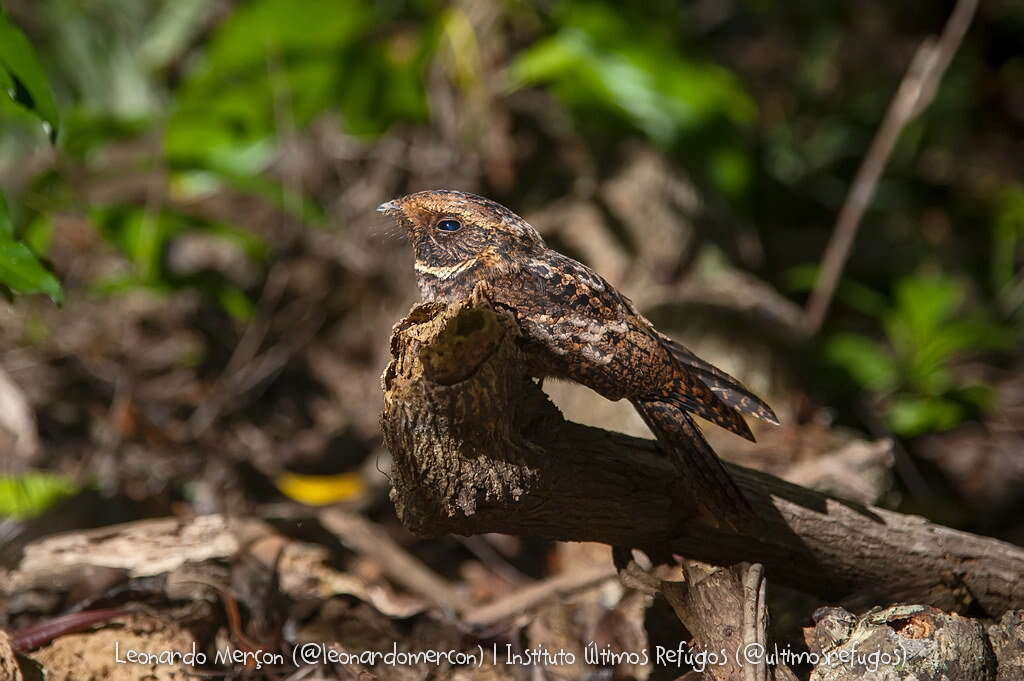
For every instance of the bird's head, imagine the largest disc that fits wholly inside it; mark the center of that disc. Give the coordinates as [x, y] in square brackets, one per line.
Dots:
[459, 237]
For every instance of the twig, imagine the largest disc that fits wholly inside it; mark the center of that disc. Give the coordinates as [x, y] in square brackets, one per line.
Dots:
[247, 370]
[42, 633]
[494, 561]
[361, 535]
[18, 435]
[244, 353]
[915, 93]
[755, 620]
[536, 594]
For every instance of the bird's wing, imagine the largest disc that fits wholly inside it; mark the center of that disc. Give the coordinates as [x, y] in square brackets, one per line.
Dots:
[619, 353]
[585, 327]
[576, 288]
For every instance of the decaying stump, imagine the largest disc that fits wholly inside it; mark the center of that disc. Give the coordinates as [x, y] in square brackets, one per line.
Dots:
[478, 448]
[461, 365]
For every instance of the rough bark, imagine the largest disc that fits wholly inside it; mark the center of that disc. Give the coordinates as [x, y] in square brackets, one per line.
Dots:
[901, 642]
[478, 448]
[1007, 639]
[9, 666]
[725, 612]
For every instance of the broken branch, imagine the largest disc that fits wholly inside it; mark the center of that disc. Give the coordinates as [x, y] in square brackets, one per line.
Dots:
[478, 448]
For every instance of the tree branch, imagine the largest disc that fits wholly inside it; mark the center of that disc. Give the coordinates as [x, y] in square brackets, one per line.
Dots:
[478, 448]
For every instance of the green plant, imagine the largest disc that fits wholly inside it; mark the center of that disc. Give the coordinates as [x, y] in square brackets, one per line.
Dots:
[29, 494]
[22, 78]
[911, 373]
[594, 59]
[264, 72]
[595, 65]
[144, 238]
[1007, 245]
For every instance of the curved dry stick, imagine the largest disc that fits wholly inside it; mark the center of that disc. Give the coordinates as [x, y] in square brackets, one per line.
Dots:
[755, 619]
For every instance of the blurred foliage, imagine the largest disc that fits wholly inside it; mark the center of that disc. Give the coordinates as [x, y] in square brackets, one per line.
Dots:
[24, 496]
[23, 79]
[767, 107]
[593, 62]
[912, 370]
[595, 65]
[269, 68]
[1007, 243]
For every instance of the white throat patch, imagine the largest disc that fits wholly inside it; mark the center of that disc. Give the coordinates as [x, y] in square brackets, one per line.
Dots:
[446, 271]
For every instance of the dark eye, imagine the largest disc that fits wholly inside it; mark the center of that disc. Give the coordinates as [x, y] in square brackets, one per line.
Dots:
[449, 225]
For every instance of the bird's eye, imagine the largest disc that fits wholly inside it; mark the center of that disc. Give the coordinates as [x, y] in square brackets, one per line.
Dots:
[449, 225]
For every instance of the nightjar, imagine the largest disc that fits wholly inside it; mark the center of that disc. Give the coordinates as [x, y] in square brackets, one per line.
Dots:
[574, 325]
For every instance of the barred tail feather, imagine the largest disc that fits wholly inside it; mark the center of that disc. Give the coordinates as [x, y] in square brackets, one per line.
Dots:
[709, 482]
[728, 389]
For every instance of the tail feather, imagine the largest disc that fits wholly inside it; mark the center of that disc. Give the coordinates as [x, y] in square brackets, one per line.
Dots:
[691, 394]
[709, 482]
[725, 387]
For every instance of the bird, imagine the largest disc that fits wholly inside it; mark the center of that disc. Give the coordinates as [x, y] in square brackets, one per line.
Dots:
[576, 326]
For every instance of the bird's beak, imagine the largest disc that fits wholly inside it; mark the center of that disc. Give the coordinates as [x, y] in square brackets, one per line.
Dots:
[389, 208]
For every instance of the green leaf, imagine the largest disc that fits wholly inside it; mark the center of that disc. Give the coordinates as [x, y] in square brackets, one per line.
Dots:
[24, 77]
[929, 358]
[978, 396]
[594, 62]
[924, 302]
[30, 494]
[236, 303]
[730, 171]
[6, 226]
[274, 27]
[38, 233]
[1007, 236]
[869, 364]
[912, 415]
[21, 271]
[140, 234]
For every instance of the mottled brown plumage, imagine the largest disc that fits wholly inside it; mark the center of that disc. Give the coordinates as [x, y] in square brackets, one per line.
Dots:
[576, 326]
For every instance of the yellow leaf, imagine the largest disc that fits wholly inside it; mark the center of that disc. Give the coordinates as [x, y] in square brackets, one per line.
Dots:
[320, 490]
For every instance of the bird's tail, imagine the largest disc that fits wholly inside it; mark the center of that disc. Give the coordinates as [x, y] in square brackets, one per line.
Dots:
[710, 484]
